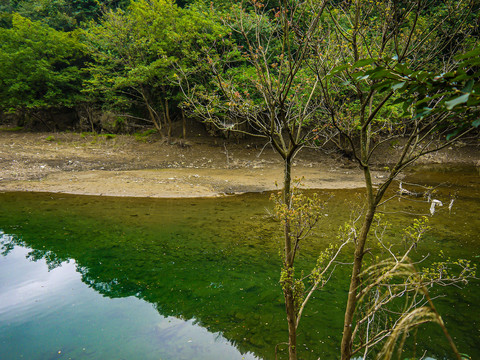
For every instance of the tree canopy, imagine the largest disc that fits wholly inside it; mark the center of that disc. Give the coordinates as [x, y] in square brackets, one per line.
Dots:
[41, 67]
[136, 53]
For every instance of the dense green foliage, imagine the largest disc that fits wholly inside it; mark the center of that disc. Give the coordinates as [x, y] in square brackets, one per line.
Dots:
[133, 57]
[59, 14]
[456, 92]
[136, 54]
[41, 67]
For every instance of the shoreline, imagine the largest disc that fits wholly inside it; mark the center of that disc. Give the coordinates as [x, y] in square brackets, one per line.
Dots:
[201, 166]
[181, 182]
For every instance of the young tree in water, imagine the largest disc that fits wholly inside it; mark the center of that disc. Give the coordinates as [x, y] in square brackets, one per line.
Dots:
[264, 87]
[370, 39]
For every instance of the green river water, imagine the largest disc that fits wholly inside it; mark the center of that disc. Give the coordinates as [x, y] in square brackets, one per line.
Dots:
[85, 277]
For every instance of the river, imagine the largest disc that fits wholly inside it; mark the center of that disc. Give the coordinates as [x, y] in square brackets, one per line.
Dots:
[85, 277]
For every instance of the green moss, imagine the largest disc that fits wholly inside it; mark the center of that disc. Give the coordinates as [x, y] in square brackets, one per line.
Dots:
[143, 136]
[11, 129]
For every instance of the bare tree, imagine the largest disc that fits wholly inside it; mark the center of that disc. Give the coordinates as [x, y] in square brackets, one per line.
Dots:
[264, 88]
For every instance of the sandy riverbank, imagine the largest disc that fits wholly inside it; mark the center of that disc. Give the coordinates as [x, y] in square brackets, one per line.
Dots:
[128, 166]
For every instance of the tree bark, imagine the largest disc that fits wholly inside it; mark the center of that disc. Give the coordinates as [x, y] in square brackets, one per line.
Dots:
[169, 120]
[347, 341]
[184, 125]
[292, 323]
[288, 265]
[152, 114]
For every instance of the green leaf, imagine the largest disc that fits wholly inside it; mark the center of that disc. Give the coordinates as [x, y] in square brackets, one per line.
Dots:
[425, 111]
[459, 100]
[363, 62]
[381, 88]
[473, 53]
[430, 98]
[338, 69]
[403, 69]
[398, 86]
[460, 77]
[455, 133]
[476, 123]
[383, 73]
[469, 86]
[398, 101]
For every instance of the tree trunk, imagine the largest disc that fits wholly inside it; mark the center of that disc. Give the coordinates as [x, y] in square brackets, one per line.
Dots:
[184, 125]
[347, 341]
[153, 116]
[292, 323]
[169, 120]
[288, 265]
[287, 198]
[156, 123]
[89, 113]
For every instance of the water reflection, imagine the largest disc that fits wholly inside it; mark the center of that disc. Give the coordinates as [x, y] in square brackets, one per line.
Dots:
[184, 273]
[25, 284]
[221, 275]
[208, 267]
[48, 312]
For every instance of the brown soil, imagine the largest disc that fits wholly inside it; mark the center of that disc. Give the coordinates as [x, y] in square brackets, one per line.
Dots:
[150, 167]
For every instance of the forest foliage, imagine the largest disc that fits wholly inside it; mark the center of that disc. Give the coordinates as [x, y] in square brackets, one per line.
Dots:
[131, 59]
